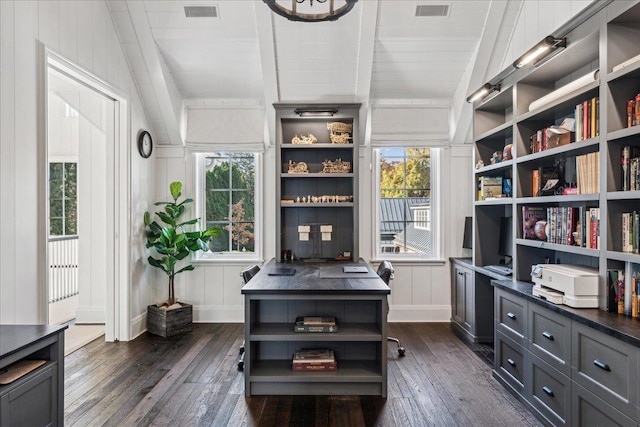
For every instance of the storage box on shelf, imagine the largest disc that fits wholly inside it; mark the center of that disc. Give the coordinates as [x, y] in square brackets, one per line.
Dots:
[317, 150]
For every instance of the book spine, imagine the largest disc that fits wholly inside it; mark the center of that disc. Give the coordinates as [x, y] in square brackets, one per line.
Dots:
[624, 161]
[585, 120]
[321, 366]
[307, 328]
[625, 232]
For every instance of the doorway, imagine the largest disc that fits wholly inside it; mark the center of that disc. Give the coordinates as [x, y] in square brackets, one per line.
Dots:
[85, 128]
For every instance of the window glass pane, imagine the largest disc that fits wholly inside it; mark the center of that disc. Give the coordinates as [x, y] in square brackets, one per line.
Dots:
[243, 172]
[230, 201]
[405, 205]
[55, 208]
[71, 220]
[55, 227]
[55, 171]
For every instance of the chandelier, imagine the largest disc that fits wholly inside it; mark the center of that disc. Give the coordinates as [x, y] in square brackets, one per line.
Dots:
[301, 10]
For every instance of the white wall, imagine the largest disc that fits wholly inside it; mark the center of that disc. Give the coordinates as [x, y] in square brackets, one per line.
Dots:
[538, 19]
[83, 32]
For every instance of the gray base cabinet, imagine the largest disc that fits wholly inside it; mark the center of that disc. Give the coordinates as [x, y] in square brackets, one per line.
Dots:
[37, 398]
[565, 372]
[471, 302]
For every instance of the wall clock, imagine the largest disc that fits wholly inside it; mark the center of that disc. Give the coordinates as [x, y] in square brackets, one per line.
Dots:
[145, 144]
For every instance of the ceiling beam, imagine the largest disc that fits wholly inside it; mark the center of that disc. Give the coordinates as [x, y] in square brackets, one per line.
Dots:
[483, 60]
[368, 31]
[169, 98]
[266, 41]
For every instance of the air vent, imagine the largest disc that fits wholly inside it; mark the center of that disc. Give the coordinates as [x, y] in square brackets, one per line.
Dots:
[432, 10]
[201, 11]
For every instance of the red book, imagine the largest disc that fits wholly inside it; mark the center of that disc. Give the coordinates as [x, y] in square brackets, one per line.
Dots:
[593, 228]
[585, 120]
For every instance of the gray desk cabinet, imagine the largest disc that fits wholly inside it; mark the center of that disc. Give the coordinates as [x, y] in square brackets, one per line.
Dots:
[471, 302]
[272, 304]
[37, 398]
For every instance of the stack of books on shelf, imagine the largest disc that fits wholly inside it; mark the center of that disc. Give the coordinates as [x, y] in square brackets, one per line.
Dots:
[588, 172]
[489, 187]
[587, 116]
[630, 165]
[553, 136]
[315, 324]
[314, 360]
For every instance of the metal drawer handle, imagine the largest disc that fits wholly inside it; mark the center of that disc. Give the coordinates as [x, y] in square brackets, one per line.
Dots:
[600, 364]
[510, 315]
[547, 390]
[548, 335]
[511, 362]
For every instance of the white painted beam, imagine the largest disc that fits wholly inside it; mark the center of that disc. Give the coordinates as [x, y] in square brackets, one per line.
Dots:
[476, 73]
[368, 31]
[266, 41]
[169, 98]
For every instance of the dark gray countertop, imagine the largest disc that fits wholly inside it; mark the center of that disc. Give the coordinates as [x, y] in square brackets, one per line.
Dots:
[619, 326]
[309, 279]
[15, 337]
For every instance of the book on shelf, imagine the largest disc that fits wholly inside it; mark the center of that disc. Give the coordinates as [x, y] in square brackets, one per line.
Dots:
[315, 321]
[548, 181]
[490, 186]
[588, 173]
[315, 324]
[314, 360]
[534, 222]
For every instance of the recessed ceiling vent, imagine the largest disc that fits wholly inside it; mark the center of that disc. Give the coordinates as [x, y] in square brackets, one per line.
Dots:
[201, 11]
[432, 10]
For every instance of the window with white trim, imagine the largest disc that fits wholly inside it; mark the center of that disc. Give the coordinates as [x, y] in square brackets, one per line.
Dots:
[63, 198]
[227, 198]
[407, 223]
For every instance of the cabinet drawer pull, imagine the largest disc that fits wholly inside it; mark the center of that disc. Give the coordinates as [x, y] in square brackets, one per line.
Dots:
[511, 362]
[547, 390]
[600, 364]
[548, 335]
[510, 315]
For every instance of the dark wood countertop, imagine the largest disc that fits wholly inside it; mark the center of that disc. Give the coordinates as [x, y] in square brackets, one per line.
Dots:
[312, 278]
[16, 337]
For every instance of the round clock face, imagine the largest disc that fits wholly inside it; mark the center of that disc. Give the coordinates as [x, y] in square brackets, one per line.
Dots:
[145, 144]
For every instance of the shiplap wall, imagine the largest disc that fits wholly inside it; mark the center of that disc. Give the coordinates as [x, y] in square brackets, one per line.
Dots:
[538, 19]
[83, 32]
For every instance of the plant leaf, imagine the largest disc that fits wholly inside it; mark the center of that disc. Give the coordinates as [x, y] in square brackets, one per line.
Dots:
[147, 218]
[187, 268]
[166, 218]
[176, 189]
[193, 221]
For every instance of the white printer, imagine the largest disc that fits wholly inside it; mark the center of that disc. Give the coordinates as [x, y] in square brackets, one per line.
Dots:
[575, 286]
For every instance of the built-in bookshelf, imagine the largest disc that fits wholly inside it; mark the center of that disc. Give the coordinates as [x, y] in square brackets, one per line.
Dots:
[593, 81]
[317, 180]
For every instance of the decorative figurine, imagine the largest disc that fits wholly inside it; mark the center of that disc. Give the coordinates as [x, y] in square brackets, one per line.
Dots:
[480, 164]
[339, 132]
[507, 152]
[496, 157]
[309, 139]
[336, 166]
[299, 167]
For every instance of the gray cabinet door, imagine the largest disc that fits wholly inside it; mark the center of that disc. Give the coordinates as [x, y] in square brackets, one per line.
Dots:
[459, 296]
[31, 400]
[469, 301]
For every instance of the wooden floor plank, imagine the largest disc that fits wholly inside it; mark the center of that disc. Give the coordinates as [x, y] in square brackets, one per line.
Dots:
[192, 380]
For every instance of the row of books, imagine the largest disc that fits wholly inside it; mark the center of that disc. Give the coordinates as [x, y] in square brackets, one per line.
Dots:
[573, 226]
[587, 115]
[633, 111]
[314, 360]
[631, 232]
[622, 292]
[630, 166]
[588, 173]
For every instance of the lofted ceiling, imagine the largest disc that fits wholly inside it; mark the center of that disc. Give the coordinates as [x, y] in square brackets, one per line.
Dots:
[246, 55]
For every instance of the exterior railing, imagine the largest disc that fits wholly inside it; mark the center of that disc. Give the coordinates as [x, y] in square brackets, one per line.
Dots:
[63, 267]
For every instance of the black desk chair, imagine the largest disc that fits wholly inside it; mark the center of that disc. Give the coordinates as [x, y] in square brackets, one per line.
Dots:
[246, 274]
[385, 270]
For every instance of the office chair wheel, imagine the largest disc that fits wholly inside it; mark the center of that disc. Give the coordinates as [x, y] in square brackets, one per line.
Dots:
[400, 351]
[241, 350]
[241, 365]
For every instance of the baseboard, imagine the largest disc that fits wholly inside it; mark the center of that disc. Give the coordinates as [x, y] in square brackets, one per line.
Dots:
[90, 315]
[138, 325]
[419, 313]
[218, 314]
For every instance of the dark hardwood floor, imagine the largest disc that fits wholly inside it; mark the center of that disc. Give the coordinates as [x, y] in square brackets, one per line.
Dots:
[192, 380]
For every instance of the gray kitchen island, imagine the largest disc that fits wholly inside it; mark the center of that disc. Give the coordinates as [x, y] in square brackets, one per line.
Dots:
[276, 296]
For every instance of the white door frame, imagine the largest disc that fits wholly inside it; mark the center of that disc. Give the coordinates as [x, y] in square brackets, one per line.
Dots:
[117, 319]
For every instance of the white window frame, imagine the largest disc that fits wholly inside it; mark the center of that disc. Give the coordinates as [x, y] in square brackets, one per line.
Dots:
[199, 192]
[436, 201]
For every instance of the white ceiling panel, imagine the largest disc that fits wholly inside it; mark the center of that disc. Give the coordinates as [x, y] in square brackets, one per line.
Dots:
[379, 50]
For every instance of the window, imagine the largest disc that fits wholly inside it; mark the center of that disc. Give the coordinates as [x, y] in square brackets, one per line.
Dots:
[227, 184]
[63, 199]
[407, 218]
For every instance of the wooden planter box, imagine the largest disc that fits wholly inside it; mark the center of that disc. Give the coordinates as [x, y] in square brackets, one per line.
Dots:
[167, 323]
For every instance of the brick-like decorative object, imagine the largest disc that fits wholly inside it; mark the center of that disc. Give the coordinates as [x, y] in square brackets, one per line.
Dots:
[167, 323]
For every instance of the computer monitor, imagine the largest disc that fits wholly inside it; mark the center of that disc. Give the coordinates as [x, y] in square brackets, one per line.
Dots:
[468, 229]
[505, 241]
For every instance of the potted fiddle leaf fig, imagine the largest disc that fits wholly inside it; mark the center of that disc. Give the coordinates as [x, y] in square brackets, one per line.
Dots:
[172, 240]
